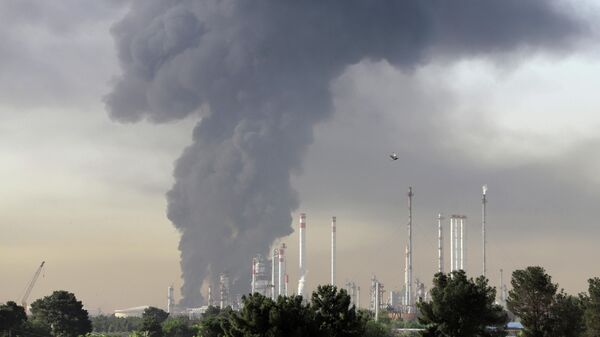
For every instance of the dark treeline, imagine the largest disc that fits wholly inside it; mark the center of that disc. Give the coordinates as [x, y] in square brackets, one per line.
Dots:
[459, 307]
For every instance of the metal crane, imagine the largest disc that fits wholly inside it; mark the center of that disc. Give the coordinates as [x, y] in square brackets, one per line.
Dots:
[30, 285]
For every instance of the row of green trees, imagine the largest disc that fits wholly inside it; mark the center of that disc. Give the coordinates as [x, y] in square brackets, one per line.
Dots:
[459, 307]
[59, 314]
[547, 312]
[463, 307]
[329, 313]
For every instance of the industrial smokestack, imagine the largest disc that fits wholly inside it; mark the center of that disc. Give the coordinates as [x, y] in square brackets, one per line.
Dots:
[302, 260]
[253, 285]
[333, 225]
[463, 233]
[274, 261]
[377, 300]
[452, 245]
[281, 281]
[440, 244]
[170, 299]
[409, 256]
[483, 238]
[210, 297]
[287, 281]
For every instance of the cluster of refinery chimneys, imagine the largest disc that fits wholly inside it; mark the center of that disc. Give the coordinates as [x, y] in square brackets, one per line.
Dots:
[279, 281]
[276, 284]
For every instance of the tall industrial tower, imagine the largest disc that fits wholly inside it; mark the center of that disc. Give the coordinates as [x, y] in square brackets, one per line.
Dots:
[408, 298]
[253, 283]
[458, 233]
[260, 279]
[440, 244]
[302, 280]
[170, 300]
[333, 224]
[281, 290]
[483, 203]
[224, 291]
[274, 260]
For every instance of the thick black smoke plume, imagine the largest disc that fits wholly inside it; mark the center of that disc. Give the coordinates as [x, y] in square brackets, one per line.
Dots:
[258, 72]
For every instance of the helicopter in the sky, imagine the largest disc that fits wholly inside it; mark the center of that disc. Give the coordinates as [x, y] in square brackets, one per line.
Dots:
[394, 156]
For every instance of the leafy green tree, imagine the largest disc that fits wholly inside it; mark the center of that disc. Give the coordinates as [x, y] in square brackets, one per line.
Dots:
[531, 299]
[260, 316]
[12, 317]
[293, 318]
[591, 315]
[461, 307]
[178, 327]
[155, 314]
[328, 315]
[215, 322]
[253, 318]
[334, 314]
[152, 318]
[33, 328]
[566, 316]
[63, 313]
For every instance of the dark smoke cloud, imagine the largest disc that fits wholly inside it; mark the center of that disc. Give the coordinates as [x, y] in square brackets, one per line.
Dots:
[258, 73]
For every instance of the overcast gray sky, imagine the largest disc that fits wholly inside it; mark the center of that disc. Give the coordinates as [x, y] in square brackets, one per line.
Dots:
[87, 194]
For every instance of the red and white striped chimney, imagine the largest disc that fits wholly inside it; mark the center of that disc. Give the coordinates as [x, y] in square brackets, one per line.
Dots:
[281, 269]
[302, 233]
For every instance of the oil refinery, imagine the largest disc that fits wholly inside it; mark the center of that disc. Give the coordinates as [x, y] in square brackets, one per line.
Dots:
[267, 274]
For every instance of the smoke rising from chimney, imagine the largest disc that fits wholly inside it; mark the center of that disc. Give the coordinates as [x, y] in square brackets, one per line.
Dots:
[258, 75]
